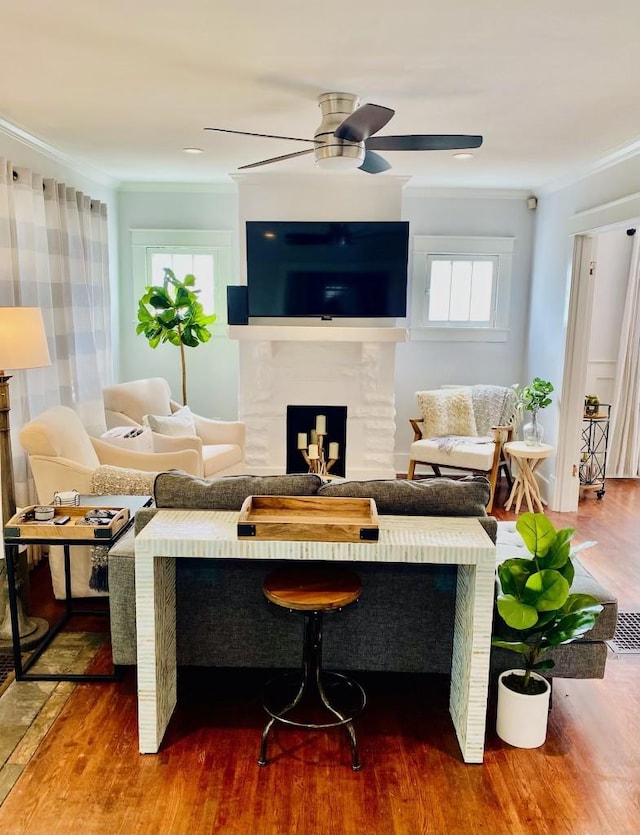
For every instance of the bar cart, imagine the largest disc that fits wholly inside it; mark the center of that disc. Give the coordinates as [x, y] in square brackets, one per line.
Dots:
[593, 454]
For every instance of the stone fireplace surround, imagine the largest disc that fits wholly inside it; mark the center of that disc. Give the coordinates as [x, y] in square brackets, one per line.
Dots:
[334, 365]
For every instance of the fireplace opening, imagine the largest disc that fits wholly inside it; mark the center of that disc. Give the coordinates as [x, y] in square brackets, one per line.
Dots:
[317, 439]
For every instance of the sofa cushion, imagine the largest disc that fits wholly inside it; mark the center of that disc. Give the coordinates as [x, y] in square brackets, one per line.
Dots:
[428, 497]
[179, 489]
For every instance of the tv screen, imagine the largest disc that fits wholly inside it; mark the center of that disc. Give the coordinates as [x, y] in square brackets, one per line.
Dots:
[327, 269]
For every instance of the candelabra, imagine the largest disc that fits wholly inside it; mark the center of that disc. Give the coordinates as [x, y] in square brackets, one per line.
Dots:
[318, 459]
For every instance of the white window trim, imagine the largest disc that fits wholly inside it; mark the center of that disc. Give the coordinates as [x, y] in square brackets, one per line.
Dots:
[441, 246]
[217, 242]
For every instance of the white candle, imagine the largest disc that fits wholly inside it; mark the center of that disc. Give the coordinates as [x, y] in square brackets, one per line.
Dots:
[321, 424]
[333, 450]
[313, 451]
[302, 440]
[314, 436]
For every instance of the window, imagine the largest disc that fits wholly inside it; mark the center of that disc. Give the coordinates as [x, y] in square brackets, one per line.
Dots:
[461, 288]
[206, 255]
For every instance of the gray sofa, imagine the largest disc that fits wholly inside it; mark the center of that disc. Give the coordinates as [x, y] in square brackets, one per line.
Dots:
[403, 621]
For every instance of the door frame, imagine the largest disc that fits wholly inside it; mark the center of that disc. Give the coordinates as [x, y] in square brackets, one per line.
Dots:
[584, 227]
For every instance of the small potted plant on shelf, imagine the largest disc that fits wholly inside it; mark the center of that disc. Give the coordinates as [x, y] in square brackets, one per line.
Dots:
[534, 397]
[535, 612]
[172, 313]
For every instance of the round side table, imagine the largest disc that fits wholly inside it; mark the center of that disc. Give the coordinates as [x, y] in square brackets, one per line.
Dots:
[524, 483]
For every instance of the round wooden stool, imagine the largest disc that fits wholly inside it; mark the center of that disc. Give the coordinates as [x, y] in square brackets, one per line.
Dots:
[313, 590]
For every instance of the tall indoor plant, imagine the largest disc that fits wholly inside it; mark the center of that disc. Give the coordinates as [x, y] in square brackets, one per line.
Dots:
[536, 611]
[534, 397]
[172, 313]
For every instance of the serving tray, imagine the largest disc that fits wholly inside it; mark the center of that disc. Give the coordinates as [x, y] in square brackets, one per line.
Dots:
[327, 519]
[21, 526]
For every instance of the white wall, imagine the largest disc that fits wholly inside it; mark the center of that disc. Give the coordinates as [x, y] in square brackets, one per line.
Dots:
[559, 214]
[425, 365]
[212, 368]
[613, 260]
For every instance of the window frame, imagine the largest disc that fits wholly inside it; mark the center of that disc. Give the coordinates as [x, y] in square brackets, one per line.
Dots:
[145, 242]
[426, 248]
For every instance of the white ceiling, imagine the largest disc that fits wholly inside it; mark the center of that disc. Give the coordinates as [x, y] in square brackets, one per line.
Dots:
[125, 85]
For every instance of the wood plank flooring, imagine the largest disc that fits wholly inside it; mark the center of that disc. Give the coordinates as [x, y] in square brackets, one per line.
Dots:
[87, 775]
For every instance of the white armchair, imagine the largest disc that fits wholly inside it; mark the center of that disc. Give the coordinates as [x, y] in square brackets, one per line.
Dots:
[219, 444]
[64, 457]
[464, 428]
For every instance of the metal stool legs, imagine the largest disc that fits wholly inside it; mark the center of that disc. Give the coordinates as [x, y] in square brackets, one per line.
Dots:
[312, 685]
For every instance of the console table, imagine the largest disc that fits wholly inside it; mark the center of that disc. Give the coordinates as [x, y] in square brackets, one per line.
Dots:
[174, 534]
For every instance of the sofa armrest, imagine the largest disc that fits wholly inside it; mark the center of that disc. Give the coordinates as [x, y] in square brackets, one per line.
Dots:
[220, 431]
[187, 460]
[51, 474]
[176, 443]
[417, 430]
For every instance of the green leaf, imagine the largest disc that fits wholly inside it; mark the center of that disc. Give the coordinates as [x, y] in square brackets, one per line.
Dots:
[514, 573]
[546, 590]
[189, 280]
[572, 626]
[516, 614]
[537, 532]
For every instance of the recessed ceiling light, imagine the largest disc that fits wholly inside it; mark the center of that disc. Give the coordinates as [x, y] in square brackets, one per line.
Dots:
[463, 155]
[193, 150]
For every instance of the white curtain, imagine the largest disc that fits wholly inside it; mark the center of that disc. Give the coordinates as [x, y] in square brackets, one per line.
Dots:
[53, 255]
[624, 446]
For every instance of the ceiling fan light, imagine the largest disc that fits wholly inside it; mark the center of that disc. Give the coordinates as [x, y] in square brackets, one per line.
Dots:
[338, 163]
[463, 155]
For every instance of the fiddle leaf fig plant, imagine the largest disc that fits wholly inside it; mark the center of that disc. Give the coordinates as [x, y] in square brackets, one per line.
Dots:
[535, 605]
[172, 313]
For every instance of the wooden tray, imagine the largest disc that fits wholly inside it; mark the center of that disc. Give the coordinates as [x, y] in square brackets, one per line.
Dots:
[328, 518]
[76, 528]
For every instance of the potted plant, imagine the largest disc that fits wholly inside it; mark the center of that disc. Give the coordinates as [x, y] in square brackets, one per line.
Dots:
[172, 313]
[534, 397]
[536, 611]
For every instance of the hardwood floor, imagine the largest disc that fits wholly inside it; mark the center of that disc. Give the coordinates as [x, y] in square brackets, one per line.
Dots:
[87, 775]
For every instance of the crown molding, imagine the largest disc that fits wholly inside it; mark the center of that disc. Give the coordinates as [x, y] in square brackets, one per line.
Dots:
[321, 178]
[35, 144]
[157, 187]
[468, 193]
[610, 159]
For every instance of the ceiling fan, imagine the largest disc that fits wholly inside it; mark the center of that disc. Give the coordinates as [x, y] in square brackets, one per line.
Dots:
[345, 137]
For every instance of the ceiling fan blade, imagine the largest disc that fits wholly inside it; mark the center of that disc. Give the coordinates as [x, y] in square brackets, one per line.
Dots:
[418, 142]
[264, 135]
[278, 159]
[363, 122]
[374, 163]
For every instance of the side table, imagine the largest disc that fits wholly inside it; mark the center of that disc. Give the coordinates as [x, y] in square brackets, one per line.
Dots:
[11, 547]
[525, 486]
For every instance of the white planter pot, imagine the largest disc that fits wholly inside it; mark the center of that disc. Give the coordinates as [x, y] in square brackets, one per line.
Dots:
[522, 719]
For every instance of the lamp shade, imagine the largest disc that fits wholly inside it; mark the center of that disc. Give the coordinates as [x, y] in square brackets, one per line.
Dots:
[23, 341]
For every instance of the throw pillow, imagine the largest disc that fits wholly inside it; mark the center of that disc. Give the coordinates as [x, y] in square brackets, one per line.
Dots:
[178, 489]
[447, 412]
[180, 424]
[121, 481]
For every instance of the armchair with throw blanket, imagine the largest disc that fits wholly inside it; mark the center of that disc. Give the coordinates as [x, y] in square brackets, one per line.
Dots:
[464, 428]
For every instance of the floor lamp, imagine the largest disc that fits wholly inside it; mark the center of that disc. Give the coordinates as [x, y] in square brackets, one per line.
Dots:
[23, 344]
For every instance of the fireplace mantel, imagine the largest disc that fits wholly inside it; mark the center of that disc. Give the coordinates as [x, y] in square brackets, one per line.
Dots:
[310, 333]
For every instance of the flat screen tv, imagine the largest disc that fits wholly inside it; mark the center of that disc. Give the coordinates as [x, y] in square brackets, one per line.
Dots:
[327, 269]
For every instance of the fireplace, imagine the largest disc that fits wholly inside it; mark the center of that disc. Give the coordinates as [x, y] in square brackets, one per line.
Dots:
[309, 427]
[342, 367]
